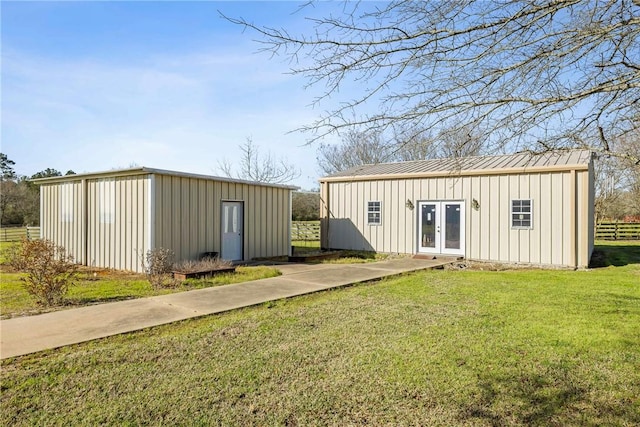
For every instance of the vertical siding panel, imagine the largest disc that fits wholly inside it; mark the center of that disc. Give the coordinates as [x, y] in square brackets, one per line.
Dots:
[134, 215]
[406, 245]
[350, 215]
[283, 217]
[128, 200]
[485, 218]
[184, 225]
[373, 232]
[514, 238]
[492, 205]
[263, 224]
[477, 235]
[194, 219]
[269, 209]
[253, 214]
[168, 223]
[140, 220]
[277, 215]
[341, 205]
[557, 203]
[505, 219]
[146, 217]
[174, 212]
[361, 211]
[403, 227]
[90, 223]
[535, 233]
[355, 210]
[470, 215]
[389, 200]
[568, 230]
[524, 234]
[212, 217]
[202, 216]
[583, 218]
[545, 218]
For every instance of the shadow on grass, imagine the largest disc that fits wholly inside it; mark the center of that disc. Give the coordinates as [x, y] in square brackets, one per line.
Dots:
[359, 254]
[81, 301]
[618, 254]
[553, 396]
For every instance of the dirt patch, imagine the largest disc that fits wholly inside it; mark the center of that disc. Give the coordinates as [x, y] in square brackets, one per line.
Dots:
[497, 266]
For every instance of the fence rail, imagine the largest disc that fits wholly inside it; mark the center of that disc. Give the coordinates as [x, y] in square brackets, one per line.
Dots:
[618, 230]
[12, 234]
[305, 230]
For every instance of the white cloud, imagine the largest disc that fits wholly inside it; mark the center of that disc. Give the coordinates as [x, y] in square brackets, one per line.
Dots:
[179, 112]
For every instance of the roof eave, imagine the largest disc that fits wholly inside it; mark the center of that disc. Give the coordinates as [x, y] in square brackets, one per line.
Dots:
[145, 171]
[457, 173]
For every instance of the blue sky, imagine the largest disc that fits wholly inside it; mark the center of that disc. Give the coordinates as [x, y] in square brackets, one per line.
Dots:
[92, 86]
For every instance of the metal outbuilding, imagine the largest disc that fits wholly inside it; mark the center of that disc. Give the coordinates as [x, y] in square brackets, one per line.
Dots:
[111, 219]
[520, 208]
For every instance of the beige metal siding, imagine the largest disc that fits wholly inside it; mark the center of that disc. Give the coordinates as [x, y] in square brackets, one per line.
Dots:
[187, 216]
[489, 235]
[62, 218]
[118, 214]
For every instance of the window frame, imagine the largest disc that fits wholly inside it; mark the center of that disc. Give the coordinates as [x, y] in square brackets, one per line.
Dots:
[522, 214]
[371, 210]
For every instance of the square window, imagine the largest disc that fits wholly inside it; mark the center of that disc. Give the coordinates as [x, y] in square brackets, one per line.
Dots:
[374, 211]
[521, 213]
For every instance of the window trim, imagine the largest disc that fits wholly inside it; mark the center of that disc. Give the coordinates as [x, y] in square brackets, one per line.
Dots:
[374, 212]
[521, 213]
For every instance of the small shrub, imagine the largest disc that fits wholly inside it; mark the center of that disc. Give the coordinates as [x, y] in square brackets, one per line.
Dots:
[158, 264]
[50, 270]
[205, 264]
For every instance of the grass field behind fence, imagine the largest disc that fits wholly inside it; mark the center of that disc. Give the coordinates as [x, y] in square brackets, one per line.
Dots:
[438, 348]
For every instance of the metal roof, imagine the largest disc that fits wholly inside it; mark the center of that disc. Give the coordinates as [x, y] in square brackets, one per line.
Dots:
[145, 170]
[480, 165]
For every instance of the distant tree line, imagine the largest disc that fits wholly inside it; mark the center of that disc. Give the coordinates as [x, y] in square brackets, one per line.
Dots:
[19, 197]
[305, 206]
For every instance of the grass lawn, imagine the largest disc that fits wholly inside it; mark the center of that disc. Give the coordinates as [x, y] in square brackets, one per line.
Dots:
[108, 286]
[520, 347]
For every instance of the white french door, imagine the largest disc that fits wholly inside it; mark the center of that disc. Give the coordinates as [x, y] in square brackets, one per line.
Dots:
[441, 227]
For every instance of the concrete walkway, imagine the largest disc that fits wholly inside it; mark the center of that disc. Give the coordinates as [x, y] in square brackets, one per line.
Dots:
[30, 334]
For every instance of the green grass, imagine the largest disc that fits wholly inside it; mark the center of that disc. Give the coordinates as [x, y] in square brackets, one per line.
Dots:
[357, 257]
[441, 348]
[112, 286]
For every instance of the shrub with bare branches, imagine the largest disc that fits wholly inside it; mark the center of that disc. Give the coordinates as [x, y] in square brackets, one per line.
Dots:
[157, 264]
[50, 270]
[206, 264]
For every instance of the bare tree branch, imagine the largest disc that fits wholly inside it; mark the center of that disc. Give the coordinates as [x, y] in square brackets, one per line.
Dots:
[257, 167]
[521, 71]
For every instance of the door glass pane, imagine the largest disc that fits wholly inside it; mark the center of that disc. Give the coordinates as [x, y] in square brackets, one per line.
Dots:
[428, 226]
[228, 219]
[234, 219]
[452, 226]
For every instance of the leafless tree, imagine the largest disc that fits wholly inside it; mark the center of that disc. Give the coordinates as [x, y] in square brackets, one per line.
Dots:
[536, 75]
[617, 182]
[367, 147]
[356, 148]
[254, 166]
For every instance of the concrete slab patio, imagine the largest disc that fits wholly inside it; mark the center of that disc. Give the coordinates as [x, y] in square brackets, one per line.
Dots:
[30, 334]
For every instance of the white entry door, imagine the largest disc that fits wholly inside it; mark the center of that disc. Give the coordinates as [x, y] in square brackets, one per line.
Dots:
[441, 227]
[232, 234]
